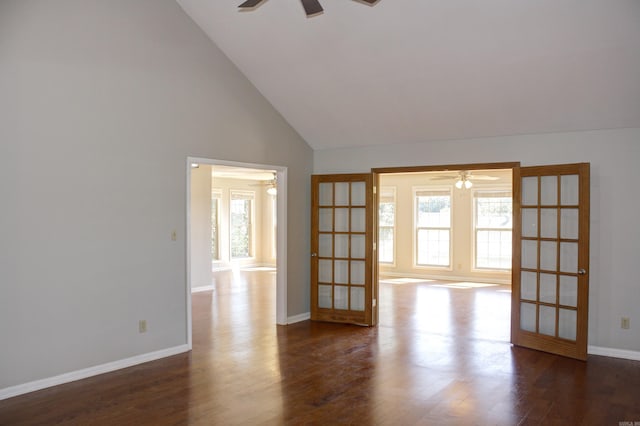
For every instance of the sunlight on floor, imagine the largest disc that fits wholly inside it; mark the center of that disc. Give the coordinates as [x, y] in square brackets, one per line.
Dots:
[259, 268]
[465, 285]
[405, 280]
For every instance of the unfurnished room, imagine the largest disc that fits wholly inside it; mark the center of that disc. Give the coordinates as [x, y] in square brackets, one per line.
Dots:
[288, 212]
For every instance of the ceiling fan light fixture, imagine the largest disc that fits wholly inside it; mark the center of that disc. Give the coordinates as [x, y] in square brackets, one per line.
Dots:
[459, 183]
[468, 184]
[272, 190]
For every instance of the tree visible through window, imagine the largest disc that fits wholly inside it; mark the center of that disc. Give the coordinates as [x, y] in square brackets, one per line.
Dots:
[240, 224]
[433, 227]
[493, 228]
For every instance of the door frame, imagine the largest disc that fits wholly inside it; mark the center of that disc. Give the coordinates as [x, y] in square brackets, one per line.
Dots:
[281, 235]
[512, 165]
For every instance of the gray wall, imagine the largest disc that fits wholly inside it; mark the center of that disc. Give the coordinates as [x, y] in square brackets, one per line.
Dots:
[615, 235]
[101, 103]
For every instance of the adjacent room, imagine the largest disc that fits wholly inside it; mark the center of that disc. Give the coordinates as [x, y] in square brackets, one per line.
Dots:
[448, 230]
[233, 233]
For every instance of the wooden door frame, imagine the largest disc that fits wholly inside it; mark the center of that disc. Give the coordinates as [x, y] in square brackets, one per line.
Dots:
[516, 169]
[447, 167]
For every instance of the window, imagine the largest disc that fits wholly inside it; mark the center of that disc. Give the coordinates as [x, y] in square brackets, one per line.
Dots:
[386, 224]
[433, 227]
[241, 223]
[216, 195]
[493, 225]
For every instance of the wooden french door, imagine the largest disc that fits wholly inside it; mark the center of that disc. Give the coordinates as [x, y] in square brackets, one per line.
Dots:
[550, 284]
[342, 248]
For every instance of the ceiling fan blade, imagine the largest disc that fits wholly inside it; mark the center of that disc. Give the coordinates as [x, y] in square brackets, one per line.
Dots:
[312, 7]
[443, 177]
[481, 177]
[250, 3]
[369, 1]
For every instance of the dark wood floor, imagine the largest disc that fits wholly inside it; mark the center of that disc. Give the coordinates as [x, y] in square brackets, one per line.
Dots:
[440, 356]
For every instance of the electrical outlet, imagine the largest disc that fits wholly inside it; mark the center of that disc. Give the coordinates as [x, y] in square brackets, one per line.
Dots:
[625, 323]
[142, 326]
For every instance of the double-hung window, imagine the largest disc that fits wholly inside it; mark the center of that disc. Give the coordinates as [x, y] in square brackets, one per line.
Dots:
[386, 224]
[492, 229]
[241, 224]
[432, 220]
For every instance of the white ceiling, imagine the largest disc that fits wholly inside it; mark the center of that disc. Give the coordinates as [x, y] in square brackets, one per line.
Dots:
[405, 71]
[232, 172]
[501, 175]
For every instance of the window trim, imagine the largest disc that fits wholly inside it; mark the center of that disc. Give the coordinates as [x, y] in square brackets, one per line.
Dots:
[448, 189]
[216, 197]
[273, 200]
[474, 262]
[394, 195]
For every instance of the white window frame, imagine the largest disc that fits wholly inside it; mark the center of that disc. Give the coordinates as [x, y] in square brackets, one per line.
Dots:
[445, 190]
[474, 228]
[238, 194]
[216, 199]
[389, 193]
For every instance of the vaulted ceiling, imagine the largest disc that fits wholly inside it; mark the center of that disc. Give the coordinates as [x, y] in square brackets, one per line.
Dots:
[406, 71]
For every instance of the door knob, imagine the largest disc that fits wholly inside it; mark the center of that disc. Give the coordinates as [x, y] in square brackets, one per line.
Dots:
[314, 254]
[582, 271]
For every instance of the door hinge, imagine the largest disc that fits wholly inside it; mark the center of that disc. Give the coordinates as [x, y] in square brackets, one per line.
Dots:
[375, 189]
[375, 246]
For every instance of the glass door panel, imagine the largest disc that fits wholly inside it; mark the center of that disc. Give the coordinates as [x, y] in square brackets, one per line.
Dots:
[325, 245]
[569, 223]
[342, 245]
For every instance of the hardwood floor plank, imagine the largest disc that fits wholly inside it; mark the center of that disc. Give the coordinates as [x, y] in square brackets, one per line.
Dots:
[439, 356]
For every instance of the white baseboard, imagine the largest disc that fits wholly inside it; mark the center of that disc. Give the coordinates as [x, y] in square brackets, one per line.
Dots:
[201, 289]
[89, 372]
[221, 267]
[298, 318]
[614, 353]
[503, 281]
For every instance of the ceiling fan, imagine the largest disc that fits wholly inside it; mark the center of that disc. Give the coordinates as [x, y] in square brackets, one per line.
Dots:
[311, 7]
[270, 184]
[464, 178]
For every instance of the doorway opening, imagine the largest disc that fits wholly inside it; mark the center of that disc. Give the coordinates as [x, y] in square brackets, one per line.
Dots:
[233, 212]
[445, 234]
[550, 250]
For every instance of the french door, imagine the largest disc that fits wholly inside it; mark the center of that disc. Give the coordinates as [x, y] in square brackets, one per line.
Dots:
[550, 279]
[550, 284]
[342, 249]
